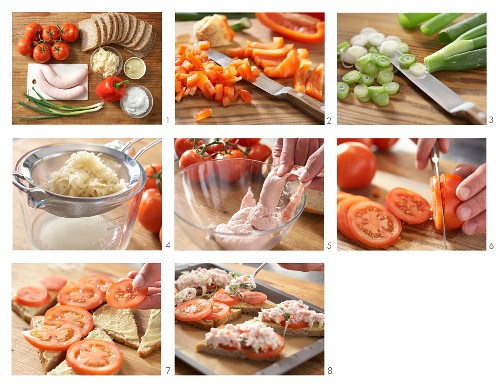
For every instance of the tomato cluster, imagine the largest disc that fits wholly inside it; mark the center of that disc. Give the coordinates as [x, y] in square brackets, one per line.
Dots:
[50, 41]
[149, 214]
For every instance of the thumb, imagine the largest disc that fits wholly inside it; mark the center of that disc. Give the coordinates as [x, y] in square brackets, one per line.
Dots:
[148, 275]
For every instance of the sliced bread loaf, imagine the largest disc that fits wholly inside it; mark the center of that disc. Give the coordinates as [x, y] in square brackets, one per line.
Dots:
[90, 35]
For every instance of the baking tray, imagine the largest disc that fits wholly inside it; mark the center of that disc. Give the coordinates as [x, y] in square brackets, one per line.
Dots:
[275, 296]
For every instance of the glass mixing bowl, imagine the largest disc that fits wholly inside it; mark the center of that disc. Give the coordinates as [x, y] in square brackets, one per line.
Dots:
[209, 193]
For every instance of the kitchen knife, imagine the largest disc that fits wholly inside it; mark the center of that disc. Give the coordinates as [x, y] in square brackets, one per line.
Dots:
[308, 105]
[434, 156]
[443, 95]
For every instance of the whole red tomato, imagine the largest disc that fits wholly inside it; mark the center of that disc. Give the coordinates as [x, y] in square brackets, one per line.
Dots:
[356, 165]
[50, 34]
[42, 53]
[153, 176]
[367, 141]
[232, 169]
[384, 144]
[69, 32]
[259, 152]
[183, 144]
[149, 214]
[60, 51]
[33, 31]
[25, 47]
[191, 157]
[244, 141]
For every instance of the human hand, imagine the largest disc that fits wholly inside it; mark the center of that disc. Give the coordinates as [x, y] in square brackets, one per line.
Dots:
[303, 266]
[148, 277]
[307, 152]
[424, 148]
[472, 191]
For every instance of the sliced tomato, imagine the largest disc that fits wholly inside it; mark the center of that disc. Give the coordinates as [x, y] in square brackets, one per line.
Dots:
[266, 351]
[445, 187]
[123, 295]
[32, 296]
[218, 312]
[102, 281]
[254, 298]
[342, 210]
[408, 206]
[222, 296]
[57, 323]
[297, 26]
[372, 224]
[193, 310]
[53, 282]
[94, 357]
[52, 338]
[343, 195]
[297, 325]
[83, 294]
[74, 315]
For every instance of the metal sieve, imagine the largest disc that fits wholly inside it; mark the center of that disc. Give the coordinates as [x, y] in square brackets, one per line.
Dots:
[33, 170]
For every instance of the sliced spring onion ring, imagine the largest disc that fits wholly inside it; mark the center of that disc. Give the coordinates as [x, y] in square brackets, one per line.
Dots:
[376, 38]
[391, 87]
[373, 50]
[351, 77]
[406, 60]
[342, 47]
[403, 48]
[342, 90]
[389, 47]
[361, 93]
[359, 40]
[368, 30]
[380, 99]
[370, 68]
[385, 76]
[393, 37]
[366, 80]
[383, 62]
[354, 53]
[375, 90]
[418, 69]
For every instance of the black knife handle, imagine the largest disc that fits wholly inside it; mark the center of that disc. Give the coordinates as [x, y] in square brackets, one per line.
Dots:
[307, 104]
[474, 115]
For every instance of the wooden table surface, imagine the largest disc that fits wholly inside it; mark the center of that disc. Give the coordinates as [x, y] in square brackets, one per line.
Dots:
[409, 105]
[25, 360]
[111, 113]
[305, 290]
[397, 169]
[141, 239]
[264, 109]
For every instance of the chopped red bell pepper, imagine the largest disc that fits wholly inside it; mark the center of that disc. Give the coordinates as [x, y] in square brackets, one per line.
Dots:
[314, 83]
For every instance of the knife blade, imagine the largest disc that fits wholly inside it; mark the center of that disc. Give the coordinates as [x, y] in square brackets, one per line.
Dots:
[308, 105]
[434, 157]
[443, 95]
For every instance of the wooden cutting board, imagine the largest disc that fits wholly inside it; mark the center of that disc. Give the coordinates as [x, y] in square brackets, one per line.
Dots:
[396, 169]
[111, 113]
[264, 109]
[25, 360]
[409, 105]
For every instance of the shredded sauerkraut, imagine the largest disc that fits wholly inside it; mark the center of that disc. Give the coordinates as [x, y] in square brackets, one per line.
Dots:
[84, 175]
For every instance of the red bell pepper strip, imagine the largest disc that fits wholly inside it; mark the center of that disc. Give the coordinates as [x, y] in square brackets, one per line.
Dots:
[296, 26]
[111, 89]
[314, 83]
[299, 79]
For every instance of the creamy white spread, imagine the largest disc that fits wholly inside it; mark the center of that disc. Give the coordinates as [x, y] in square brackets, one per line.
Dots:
[203, 279]
[105, 62]
[186, 294]
[250, 334]
[292, 311]
[240, 284]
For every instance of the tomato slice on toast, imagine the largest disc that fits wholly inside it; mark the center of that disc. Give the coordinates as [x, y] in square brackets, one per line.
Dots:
[32, 296]
[94, 357]
[85, 295]
[193, 310]
[53, 282]
[53, 338]
[254, 298]
[218, 312]
[266, 351]
[296, 325]
[222, 296]
[101, 280]
[74, 315]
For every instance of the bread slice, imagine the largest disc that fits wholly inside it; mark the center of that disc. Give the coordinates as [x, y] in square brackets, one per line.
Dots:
[90, 35]
[103, 30]
[146, 37]
[49, 359]
[118, 323]
[151, 340]
[208, 324]
[144, 52]
[115, 29]
[218, 351]
[28, 312]
[118, 26]
[314, 331]
[139, 34]
[252, 310]
[64, 368]
[134, 23]
[125, 18]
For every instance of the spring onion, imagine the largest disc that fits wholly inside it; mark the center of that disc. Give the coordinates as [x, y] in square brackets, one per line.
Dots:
[361, 93]
[380, 99]
[359, 40]
[385, 76]
[370, 68]
[475, 32]
[454, 48]
[449, 34]
[417, 69]
[431, 26]
[342, 90]
[375, 90]
[342, 47]
[352, 54]
[403, 48]
[376, 38]
[367, 31]
[351, 77]
[373, 50]
[389, 47]
[391, 87]
[366, 79]
[51, 110]
[469, 60]
[383, 62]
[411, 20]
[406, 60]
[393, 37]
